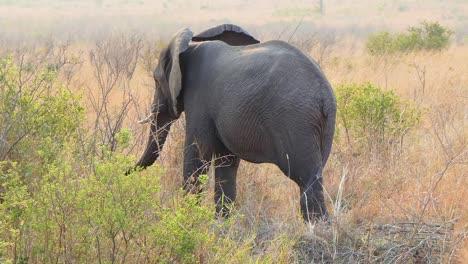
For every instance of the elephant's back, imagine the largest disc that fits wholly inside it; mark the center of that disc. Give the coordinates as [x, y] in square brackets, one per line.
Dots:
[269, 77]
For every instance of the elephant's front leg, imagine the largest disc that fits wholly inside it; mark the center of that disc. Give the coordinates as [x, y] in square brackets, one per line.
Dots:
[225, 183]
[196, 162]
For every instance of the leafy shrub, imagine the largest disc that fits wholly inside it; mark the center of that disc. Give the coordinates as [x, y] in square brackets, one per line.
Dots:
[37, 113]
[431, 36]
[372, 117]
[426, 36]
[381, 43]
[14, 205]
[108, 215]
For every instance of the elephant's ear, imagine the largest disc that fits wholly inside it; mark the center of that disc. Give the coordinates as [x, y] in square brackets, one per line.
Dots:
[178, 44]
[228, 33]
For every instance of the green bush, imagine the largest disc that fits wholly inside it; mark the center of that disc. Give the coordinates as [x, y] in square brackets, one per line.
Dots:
[38, 115]
[381, 43]
[427, 36]
[109, 216]
[372, 117]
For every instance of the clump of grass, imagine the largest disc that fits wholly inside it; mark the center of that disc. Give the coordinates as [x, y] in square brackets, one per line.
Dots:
[405, 242]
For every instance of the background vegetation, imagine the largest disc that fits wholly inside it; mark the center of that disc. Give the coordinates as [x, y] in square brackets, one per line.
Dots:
[69, 104]
[429, 36]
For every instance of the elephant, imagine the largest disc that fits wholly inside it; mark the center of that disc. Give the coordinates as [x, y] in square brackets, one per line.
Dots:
[260, 102]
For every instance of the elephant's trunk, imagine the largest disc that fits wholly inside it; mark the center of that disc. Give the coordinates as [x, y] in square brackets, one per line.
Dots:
[159, 130]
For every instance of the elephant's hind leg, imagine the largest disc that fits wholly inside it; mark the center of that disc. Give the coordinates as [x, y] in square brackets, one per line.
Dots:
[307, 173]
[312, 197]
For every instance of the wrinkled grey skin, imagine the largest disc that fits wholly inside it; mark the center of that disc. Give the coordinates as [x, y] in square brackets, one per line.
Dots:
[264, 102]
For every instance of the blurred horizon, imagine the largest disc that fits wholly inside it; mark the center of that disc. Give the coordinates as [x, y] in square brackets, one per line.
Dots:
[91, 19]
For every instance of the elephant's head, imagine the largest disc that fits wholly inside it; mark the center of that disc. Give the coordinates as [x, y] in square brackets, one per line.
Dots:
[167, 104]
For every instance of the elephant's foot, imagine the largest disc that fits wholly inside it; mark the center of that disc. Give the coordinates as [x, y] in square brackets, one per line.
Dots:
[312, 217]
[313, 208]
[224, 208]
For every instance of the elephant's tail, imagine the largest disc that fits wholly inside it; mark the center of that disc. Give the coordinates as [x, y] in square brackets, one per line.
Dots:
[329, 112]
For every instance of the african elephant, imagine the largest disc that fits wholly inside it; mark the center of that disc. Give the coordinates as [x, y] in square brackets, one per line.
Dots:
[260, 102]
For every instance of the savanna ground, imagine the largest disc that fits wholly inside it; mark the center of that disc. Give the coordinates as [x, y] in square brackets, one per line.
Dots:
[76, 76]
